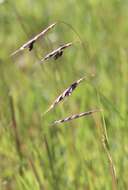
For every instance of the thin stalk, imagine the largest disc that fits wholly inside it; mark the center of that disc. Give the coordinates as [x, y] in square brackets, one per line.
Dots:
[105, 143]
[51, 163]
[15, 131]
[36, 174]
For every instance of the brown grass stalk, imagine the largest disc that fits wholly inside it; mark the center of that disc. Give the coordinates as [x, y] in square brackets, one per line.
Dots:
[15, 131]
[51, 164]
[111, 164]
[36, 174]
[105, 143]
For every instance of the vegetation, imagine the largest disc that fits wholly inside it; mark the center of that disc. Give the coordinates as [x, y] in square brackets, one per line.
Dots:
[91, 152]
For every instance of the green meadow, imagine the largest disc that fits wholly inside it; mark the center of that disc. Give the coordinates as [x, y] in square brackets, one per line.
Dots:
[88, 153]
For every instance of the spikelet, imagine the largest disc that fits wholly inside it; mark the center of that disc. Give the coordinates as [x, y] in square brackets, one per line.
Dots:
[72, 117]
[31, 42]
[65, 93]
[57, 52]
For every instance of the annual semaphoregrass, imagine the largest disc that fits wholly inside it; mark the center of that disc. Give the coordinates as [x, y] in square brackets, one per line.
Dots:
[89, 153]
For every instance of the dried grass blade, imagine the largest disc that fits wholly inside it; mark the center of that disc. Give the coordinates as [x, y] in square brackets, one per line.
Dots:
[72, 117]
[57, 52]
[31, 42]
[65, 93]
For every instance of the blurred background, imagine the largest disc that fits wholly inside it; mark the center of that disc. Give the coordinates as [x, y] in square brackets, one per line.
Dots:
[33, 154]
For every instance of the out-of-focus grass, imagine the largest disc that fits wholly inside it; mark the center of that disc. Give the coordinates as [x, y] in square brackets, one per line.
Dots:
[69, 156]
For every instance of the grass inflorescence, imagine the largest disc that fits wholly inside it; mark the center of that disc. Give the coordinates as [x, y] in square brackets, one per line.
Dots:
[43, 143]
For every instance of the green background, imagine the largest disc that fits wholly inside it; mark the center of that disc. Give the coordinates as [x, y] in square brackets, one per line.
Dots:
[68, 156]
